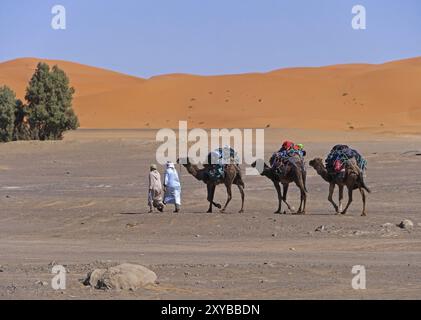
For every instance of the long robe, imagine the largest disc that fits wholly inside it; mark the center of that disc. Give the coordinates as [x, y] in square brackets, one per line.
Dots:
[155, 189]
[173, 187]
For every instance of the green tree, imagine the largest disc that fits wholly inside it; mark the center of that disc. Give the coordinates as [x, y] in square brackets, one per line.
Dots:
[7, 113]
[22, 127]
[49, 98]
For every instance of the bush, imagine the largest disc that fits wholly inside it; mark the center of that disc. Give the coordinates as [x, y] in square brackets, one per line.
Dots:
[7, 114]
[48, 112]
[49, 98]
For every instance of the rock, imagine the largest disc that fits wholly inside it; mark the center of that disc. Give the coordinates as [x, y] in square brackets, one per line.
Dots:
[320, 228]
[123, 277]
[42, 283]
[406, 224]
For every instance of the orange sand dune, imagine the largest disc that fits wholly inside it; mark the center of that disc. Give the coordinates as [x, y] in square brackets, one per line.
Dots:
[383, 97]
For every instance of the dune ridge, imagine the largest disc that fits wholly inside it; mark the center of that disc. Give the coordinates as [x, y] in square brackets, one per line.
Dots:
[383, 98]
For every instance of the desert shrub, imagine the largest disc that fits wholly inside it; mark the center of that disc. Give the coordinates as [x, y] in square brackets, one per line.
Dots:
[7, 114]
[49, 103]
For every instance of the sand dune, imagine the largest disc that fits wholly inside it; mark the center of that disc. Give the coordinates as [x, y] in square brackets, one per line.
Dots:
[384, 97]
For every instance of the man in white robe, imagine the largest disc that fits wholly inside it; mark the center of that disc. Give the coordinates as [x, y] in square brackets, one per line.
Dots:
[172, 187]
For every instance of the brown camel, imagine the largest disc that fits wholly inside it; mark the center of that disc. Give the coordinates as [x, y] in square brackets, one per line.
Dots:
[352, 179]
[232, 175]
[288, 172]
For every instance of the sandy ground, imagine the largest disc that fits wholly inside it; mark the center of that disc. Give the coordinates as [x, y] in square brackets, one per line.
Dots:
[81, 203]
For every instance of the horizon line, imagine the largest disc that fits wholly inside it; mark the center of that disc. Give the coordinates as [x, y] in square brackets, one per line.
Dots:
[214, 75]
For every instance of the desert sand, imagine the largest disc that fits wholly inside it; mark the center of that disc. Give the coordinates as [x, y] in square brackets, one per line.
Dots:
[81, 203]
[377, 98]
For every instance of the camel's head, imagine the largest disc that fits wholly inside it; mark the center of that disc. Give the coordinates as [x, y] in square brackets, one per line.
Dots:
[183, 161]
[316, 163]
[259, 165]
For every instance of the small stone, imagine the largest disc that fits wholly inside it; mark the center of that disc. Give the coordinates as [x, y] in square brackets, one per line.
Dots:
[292, 249]
[131, 225]
[406, 224]
[320, 228]
[41, 283]
[274, 235]
[197, 235]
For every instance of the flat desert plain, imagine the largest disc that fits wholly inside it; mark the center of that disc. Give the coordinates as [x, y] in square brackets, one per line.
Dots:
[81, 203]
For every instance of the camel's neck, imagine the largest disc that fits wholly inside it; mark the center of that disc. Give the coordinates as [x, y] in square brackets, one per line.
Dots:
[267, 172]
[194, 171]
[322, 171]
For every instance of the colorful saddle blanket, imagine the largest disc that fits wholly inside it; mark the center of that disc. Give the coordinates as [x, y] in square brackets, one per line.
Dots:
[339, 155]
[218, 159]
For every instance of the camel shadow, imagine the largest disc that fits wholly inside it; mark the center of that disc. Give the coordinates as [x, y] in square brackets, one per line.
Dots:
[134, 213]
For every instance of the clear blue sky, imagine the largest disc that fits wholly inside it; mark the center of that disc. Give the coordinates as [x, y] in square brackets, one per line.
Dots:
[147, 38]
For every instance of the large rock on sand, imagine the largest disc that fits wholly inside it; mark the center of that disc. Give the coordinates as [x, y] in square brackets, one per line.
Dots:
[406, 224]
[123, 277]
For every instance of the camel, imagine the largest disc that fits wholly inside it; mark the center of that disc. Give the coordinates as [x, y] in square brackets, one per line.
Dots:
[232, 175]
[353, 179]
[290, 171]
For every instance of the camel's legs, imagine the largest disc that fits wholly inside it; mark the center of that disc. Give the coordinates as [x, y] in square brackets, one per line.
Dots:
[211, 194]
[284, 197]
[301, 209]
[341, 197]
[242, 198]
[330, 198]
[229, 192]
[364, 202]
[304, 201]
[349, 200]
[278, 190]
[299, 181]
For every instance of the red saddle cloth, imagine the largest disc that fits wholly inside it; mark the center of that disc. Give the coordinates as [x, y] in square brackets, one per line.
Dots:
[338, 166]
